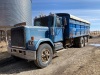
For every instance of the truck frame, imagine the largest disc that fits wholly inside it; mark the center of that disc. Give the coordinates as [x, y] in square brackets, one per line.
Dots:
[49, 34]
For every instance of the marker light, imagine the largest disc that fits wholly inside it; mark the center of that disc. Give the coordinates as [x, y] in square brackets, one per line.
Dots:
[32, 38]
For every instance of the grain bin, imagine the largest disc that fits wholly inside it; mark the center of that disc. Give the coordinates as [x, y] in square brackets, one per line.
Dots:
[15, 11]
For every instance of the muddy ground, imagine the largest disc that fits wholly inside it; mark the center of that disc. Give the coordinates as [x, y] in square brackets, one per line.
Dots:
[71, 61]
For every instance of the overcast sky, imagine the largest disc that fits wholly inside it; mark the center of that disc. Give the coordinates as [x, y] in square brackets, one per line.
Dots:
[86, 9]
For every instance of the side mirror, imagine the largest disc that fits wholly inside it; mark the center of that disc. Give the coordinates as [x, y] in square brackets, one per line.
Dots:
[65, 21]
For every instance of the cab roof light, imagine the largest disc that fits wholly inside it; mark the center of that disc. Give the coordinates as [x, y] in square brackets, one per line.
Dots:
[51, 14]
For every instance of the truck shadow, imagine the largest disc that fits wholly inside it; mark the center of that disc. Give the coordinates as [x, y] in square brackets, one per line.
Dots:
[12, 66]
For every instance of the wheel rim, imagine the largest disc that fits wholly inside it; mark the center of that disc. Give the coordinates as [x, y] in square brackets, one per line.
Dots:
[82, 43]
[45, 55]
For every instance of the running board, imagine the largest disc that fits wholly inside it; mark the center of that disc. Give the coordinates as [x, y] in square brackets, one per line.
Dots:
[58, 45]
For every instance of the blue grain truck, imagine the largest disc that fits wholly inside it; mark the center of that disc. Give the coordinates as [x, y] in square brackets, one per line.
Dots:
[49, 34]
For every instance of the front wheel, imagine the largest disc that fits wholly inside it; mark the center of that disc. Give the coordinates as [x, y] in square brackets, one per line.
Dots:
[44, 55]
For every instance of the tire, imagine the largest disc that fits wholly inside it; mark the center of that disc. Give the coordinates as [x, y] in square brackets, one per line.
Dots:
[44, 55]
[66, 47]
[81, 42]
[85, 41]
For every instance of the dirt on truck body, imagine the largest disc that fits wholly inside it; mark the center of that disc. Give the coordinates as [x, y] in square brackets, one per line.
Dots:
[71, 61]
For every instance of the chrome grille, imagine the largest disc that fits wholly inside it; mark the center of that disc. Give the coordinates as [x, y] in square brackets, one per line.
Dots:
[17, 37]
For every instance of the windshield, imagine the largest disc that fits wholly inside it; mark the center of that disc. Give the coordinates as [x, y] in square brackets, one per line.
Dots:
[44, 21]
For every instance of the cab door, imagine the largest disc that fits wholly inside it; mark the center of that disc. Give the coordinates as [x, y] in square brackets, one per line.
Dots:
[58, 30]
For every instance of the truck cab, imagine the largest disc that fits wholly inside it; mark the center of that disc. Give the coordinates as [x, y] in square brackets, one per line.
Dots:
[38, 42]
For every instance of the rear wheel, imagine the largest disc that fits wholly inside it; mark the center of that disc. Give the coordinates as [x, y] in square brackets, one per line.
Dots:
[81, 42]
[44, 55]
[85, 41]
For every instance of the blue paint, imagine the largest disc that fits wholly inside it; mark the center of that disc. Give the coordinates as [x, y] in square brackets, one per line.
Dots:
[40, 34]
[58, 34]
[43, 40]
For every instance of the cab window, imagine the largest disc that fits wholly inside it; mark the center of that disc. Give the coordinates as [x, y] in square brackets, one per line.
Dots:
[58, 22]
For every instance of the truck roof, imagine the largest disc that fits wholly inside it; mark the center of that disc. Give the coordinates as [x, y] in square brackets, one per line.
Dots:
[74, 17]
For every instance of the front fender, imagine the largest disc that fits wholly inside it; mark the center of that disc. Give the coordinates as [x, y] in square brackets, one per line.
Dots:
[43, 40]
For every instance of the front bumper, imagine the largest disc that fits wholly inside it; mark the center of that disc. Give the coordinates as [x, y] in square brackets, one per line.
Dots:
[25, 54]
